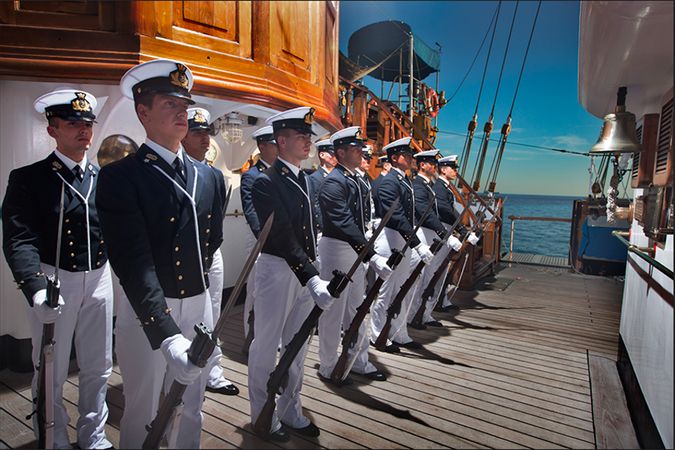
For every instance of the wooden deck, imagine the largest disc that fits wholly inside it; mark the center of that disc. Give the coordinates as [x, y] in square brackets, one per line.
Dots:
[537, 260]
[509, 370]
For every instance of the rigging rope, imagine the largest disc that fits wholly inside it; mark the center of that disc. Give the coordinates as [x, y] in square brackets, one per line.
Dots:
[552, 149]
[506, 128]
[466, 150]
[487, 129]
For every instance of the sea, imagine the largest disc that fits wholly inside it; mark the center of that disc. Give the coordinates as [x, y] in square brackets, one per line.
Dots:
[541, 238]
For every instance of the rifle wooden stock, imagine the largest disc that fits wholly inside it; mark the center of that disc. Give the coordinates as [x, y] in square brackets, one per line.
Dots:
[250, 335]
[351, 335]
[395, 308]
[279, 376]
[164, 416]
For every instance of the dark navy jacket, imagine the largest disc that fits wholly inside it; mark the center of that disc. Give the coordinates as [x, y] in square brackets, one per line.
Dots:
[394, 186]
[445, 201]
[343, 209]
[149, 227]
[30, 216]
[315, 180]
[293, 234]
[246, 192]
[424, 196]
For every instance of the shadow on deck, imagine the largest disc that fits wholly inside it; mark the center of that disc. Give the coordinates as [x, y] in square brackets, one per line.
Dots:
[509, 369]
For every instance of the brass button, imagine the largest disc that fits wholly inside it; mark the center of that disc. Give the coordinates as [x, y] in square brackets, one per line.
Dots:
[177, 248]
[178, 263]
[72, 255]
[98, 263]
[71, 243]
[304, 227]
[172, 219]
[67, 231]
[208, 230]
[209, 216]
[207, 244]
[182, 292]
[100, 253]
[102, 241]
[67, 220]
[74, 266]
[180, 277]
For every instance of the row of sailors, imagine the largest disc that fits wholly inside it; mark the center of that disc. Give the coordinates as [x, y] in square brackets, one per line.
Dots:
[156, 218]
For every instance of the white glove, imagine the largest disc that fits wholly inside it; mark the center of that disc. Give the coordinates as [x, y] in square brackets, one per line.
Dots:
[318, 288]
[175, 352]
[472, 239]
[454, 243]
[381, 267]
[424, 253]
[44, 313]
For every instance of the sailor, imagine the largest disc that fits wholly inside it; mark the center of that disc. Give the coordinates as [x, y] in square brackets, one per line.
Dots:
[366, 187]
[287, 283]
[267, 146]
[343, 209]
[385, 166]
[445, 200]
[30, 217]
[161, 214]
[432, 229]
[399, 229]
[196, 143]
[326, 155]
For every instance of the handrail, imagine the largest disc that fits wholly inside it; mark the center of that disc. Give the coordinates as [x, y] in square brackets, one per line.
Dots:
[632, 248]
[540, 218]
[544, 219]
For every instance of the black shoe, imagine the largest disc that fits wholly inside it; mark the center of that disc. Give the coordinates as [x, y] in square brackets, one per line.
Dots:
[376, 375]
[281, 435]
[413, 345]
[346, 382]
[310, 430]
[391, 348]
[417, 326]
[434, 323]
[447, 308]
[229, 389]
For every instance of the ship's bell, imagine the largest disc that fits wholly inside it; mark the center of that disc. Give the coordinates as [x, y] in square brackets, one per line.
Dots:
[618, 134]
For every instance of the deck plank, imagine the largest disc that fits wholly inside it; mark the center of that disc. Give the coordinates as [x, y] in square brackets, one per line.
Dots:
[508, 370]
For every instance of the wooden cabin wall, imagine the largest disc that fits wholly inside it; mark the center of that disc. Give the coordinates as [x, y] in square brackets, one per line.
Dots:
[278, 54]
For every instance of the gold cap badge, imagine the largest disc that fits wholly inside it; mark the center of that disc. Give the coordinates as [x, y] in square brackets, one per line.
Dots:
[179, 77]
[80, 103]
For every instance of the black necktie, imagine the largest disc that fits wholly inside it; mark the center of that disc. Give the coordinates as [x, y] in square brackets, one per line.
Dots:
[79, 174]
[303, 181]
[178, 167]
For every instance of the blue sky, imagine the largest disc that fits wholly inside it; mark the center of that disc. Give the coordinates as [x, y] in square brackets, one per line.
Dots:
[547, 111]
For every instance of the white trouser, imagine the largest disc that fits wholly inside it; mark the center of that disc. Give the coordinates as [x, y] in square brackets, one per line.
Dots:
[250, 282]
[143, 370]
[427, 236]
[387, 240]
[446, 299]
[281, 306]
[216, 379]
[337, 254]
[86, 319]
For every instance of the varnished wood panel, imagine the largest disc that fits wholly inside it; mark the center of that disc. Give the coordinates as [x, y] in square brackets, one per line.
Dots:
[83, 15]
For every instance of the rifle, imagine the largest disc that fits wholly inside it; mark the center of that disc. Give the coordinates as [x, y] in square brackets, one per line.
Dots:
[395, 308]
[45, 395]
[250, 335]
[279, 377]
[350, 336]
[417, 321]
[200, 351]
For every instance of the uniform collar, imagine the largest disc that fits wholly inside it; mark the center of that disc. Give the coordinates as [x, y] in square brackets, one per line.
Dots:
[344, 169]
[399, 171]
[164, 153]
[291, 167]
[360, 172]
[424, 178]
[446, 182]
[264, 163]
[70, 164]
